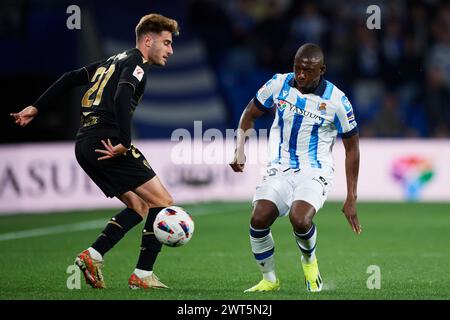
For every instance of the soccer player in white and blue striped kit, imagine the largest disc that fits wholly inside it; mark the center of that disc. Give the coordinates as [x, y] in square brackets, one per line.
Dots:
[309, 113]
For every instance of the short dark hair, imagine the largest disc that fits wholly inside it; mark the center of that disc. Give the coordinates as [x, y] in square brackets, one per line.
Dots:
[156, 23]
[310, 50]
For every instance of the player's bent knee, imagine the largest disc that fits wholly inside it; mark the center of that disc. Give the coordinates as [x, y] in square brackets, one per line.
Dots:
[260, 222]
[301, 216]
[169, 201]
[301, 224]
[264, 214]
[139, 207]
[135, 203]
[165, 201]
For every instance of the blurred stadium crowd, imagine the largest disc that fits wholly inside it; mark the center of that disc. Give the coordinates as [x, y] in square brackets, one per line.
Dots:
[397, 77]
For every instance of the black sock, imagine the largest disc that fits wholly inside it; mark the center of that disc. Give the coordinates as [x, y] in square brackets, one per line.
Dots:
[116, 229]
[150, 246]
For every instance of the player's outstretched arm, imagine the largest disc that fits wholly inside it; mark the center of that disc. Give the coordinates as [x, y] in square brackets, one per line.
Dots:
[67, 81]
[351, 146]
[247, 121]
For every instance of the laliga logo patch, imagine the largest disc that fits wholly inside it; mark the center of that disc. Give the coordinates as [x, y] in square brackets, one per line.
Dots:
[138, 73]
[282, 104]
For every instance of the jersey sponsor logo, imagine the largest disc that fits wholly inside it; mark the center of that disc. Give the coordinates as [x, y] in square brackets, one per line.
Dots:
[283, 104]
[138, 73]
[305, 113]
[350, 116]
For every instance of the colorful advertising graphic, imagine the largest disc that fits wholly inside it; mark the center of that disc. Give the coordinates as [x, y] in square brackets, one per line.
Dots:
[413, 173]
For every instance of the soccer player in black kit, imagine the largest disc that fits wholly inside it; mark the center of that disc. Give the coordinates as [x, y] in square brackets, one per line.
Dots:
[103, 145]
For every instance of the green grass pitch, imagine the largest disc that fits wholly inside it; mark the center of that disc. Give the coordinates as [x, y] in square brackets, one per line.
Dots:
[409, 242]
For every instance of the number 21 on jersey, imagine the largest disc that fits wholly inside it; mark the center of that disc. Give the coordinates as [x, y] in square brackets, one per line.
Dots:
[94, 95]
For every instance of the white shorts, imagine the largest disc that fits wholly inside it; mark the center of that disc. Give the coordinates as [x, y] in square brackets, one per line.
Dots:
[282, 186]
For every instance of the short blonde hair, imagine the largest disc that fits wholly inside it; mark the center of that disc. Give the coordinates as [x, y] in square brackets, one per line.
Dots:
[156, 23]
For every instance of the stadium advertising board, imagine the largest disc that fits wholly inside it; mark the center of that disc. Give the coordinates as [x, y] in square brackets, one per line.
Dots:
[46, 177]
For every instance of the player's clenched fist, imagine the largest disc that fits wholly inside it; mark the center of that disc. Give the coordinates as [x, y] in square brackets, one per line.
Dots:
[238, 162]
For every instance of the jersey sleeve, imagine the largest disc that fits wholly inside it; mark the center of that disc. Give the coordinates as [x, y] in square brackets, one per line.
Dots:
[344, 119]
[264, 97]
[133, 71]
[67, 81]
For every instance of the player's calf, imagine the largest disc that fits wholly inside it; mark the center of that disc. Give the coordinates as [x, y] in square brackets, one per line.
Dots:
[116, 229]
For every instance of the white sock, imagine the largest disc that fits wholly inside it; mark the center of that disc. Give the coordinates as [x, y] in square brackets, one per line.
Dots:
[142, 273]
[270, 276]
[263, 247]
[307, 244]
[95, 254]
[309, 259]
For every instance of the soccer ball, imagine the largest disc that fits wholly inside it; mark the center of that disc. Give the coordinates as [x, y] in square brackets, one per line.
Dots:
[173, 226]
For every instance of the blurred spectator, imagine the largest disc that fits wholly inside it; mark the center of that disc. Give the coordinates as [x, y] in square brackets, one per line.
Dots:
[437, 103]
[13, 18]
[366, 58]
[211, 23]
[393, 47]
[382, 71]
[308, 25]
[271, 38]
[367, 96]
[389, 122]
[339, 47]
[397, 77]
[439, 55]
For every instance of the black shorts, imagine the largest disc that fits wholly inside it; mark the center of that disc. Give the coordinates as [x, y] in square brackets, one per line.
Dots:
[113, 176]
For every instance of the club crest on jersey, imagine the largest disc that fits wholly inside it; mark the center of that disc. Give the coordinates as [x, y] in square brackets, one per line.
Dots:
[322, 107]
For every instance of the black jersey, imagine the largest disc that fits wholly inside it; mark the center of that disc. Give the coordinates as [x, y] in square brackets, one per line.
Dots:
[98, 110]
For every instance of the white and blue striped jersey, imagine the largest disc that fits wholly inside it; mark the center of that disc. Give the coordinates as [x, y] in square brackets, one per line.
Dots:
[306, 125]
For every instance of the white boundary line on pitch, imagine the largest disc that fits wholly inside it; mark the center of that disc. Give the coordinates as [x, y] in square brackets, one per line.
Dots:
[88, 225]
[80, 226]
